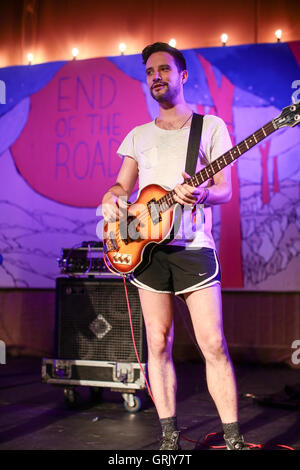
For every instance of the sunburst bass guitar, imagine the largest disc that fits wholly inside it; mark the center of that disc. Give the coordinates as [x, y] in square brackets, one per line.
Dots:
[150, 219]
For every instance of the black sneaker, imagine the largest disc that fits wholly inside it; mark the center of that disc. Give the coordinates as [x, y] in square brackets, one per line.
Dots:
[236, 443]
[170, 441]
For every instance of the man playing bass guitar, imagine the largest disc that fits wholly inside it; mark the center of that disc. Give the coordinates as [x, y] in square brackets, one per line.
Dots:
[187, 266]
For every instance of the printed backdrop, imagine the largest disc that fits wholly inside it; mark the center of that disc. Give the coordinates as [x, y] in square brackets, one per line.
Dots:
[62, 123]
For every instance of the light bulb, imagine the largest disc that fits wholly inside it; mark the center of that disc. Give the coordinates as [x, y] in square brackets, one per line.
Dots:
[30, 58]
[172, 42]
[278, 34]
[122, 47]
[224, 38]
[75, 52]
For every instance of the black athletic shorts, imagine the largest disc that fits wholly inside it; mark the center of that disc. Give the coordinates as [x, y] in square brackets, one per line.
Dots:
[175, 269]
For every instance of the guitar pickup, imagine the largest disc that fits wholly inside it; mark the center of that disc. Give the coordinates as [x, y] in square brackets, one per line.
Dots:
[153, 209]
[122, 259]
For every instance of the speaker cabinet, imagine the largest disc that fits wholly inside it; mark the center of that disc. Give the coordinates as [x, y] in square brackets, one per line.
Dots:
[92, 320]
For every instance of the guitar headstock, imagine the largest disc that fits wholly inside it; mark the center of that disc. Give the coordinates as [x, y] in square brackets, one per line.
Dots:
[290, 116]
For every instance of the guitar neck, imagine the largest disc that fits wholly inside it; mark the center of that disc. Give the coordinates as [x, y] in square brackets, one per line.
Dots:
[221, 162]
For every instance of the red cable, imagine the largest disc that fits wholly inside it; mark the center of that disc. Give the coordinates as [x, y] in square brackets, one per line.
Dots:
[285, 447]
[131, 328]
[135, 348]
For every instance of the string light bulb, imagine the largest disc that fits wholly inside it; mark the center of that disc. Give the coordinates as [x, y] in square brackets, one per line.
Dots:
[122, 47]
[278, 34]
[172, 42]
[75, 52]
[30, 58]
[224, 39]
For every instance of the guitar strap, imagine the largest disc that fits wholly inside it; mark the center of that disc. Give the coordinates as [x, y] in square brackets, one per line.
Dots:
[194, 144]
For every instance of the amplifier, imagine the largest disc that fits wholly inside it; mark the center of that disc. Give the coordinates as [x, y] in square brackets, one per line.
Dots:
[92, 320]
[84, 260]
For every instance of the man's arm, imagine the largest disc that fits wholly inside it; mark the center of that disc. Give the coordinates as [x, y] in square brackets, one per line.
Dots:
[114, 199]
[219, 193]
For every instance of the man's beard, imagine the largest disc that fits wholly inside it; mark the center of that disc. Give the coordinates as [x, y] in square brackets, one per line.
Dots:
[168, 95]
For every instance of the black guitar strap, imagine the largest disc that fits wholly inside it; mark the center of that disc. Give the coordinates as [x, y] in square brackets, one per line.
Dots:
[194, 144]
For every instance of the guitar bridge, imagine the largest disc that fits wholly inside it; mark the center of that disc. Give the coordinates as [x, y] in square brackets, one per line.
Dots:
[153, 209]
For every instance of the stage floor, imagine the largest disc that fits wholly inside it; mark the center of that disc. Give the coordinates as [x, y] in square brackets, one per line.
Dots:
[34, 416]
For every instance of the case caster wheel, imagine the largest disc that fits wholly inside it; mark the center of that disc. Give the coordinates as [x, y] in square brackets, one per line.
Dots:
[132, 403]
[71, 397]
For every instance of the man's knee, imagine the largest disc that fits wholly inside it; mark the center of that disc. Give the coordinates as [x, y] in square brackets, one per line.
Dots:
[214, 348]
[159, 342]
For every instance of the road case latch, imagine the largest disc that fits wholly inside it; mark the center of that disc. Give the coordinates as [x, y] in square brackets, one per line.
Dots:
[123, 372]
[62, 369]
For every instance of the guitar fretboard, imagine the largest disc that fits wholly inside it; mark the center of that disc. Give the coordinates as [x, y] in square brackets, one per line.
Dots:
[221, 162]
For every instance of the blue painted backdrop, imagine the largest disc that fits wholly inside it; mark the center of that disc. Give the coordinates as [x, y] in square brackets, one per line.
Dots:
[62, 122]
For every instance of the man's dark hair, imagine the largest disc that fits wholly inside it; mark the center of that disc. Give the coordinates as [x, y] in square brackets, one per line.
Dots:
[164, 47]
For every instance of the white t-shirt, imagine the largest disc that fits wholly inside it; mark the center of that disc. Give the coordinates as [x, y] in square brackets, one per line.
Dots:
[161, 159]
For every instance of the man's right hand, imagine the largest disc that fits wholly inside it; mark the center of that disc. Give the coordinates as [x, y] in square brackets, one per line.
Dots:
[115, 200]
[113, 207]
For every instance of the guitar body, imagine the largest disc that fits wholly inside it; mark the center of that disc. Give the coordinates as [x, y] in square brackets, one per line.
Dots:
[125, 240]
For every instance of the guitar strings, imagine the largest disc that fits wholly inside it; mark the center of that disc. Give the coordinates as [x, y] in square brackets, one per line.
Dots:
[144, 215]
[260, 135]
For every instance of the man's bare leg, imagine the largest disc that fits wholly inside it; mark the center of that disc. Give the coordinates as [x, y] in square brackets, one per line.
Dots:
[205, 308]
[158, 316]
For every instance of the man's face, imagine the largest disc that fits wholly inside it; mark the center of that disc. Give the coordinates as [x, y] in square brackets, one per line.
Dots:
[163, 78]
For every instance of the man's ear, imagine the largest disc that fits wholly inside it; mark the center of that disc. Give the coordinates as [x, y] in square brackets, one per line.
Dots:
[184, 76]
